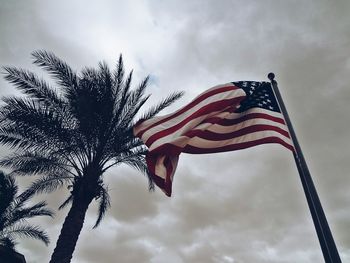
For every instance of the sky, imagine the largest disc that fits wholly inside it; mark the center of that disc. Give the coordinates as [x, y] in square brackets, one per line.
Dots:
[245, 206]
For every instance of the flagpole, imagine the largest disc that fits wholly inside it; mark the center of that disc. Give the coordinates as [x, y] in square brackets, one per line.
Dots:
[328, 246]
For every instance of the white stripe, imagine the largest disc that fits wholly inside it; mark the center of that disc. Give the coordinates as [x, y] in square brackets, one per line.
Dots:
[160, 168]
[174, 160]
[255, 110]
[256, 121]
[207, 144]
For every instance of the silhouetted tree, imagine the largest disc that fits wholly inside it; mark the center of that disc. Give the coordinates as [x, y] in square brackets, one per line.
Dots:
[72, 134]
[14, 213]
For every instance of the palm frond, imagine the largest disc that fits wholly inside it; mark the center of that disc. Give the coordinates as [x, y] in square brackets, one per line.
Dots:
[31, 231]
[48, 184]
[13, 219]
[8, 187]
[138, 162]
[8, 192]
[25, 121]
[137, 94]
[93, 105]
[133, 104]
[106, 98]
[118, 75]
[60, 70]
[66, 202]
[20, 214]
[31, 85]
[104, 204]
[126, 144]
[161, 106]
[38, 209]
[105, 76]
[123, 94]
[33, 163]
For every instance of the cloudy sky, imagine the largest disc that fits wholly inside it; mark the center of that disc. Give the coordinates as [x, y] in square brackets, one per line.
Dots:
[242, 207]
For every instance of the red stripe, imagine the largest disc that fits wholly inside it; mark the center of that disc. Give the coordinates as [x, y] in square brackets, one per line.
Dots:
[168, 149]
[249, 116]
[236, 146]
[213, 136]
[168, 182]
[151, 161]
[215, 106]
[190, 105]
[164, 184]
[160, 182]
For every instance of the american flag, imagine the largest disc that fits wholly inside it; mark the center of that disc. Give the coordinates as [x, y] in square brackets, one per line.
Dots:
[228, 117]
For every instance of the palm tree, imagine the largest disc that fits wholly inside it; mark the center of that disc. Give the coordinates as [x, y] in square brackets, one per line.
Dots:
[72, 134]
[14, 213]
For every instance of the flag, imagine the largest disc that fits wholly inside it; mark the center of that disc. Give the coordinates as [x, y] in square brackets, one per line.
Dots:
[228, 117]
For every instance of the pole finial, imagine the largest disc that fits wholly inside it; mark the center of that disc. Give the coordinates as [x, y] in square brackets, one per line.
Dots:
[271, 76]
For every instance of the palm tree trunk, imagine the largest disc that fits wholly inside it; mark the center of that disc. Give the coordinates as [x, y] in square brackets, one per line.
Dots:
[70, 231]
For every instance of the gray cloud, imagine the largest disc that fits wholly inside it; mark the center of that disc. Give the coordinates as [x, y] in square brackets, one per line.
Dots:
[245, 206]
[127, 190]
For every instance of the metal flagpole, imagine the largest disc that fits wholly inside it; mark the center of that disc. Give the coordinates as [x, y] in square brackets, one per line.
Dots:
[328, 246]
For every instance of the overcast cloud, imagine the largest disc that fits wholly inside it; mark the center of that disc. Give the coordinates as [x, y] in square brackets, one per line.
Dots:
[242, 207]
